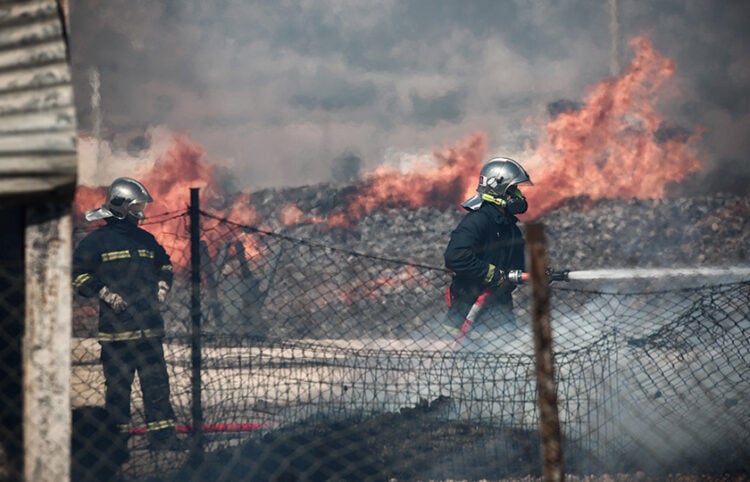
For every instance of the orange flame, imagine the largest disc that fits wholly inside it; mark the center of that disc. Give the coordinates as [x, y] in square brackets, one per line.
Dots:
[438, 186]
[291, 215]
[169, 180]
[407, 277]
[611, 148]
[615, 146]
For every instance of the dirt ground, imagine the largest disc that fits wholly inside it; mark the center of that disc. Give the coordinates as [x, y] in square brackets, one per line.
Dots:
[420, 444]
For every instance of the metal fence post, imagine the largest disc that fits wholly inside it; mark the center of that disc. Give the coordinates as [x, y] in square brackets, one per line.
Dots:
[542, 329]
[195, 316]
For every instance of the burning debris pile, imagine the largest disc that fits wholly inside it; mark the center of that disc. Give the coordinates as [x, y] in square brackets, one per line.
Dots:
[681, 232]
[308, 293]
[603, 170]
[602, 174]
[581, 233]
[316, 293]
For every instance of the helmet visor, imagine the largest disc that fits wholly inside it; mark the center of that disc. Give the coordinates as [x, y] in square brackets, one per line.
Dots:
[137, 209]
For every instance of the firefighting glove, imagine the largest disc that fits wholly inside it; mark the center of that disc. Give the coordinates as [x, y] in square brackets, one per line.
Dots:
[498, 277]
[113, 299]
[495, 276]
[163, 290]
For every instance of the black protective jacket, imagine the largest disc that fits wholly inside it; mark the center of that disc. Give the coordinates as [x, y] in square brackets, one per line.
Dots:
[483, 237]
[130, 262]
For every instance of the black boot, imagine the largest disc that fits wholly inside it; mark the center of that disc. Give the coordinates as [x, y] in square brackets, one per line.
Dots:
[167, 440]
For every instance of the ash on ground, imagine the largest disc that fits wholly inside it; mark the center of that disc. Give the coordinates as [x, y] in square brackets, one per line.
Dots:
[422, 443]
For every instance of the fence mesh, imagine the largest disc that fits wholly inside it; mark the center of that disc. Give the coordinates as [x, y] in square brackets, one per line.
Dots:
[320, 363]
[11, 332]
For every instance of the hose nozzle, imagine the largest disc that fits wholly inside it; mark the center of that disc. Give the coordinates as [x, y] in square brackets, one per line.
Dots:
[558, 275]
[516, 276]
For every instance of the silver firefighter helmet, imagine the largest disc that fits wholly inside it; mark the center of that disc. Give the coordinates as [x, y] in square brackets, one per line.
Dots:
[496, 179]
[126, 199]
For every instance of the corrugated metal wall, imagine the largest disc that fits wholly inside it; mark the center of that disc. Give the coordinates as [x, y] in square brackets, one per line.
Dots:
[37, 114]
[37, 181]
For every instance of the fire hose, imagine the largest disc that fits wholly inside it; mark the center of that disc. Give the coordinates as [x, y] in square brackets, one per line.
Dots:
[520, 277]
[514, 276]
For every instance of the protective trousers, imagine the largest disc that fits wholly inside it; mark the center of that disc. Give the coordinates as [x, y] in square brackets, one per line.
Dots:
[120, 361]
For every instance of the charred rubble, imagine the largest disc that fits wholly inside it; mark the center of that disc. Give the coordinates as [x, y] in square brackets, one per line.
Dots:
[417, 443]
[421, 443]
[581, 233]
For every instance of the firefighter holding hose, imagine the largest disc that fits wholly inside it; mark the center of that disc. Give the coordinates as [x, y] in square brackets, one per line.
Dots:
[486, 251]
[131, 274]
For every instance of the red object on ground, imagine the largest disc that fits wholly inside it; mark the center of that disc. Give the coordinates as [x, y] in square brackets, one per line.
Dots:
[210, 427]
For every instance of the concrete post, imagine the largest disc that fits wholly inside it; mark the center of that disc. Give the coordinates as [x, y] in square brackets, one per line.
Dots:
[46, 342]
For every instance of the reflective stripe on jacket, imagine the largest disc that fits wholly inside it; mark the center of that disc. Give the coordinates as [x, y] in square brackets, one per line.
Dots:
[130, 335]
[484, 240]
[130, 262]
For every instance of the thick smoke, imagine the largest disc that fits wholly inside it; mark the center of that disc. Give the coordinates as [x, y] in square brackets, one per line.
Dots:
[282, 90]
[346, 167]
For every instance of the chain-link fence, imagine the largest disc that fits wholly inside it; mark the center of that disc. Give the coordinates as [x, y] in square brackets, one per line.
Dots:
[319, 363]
[11, 333]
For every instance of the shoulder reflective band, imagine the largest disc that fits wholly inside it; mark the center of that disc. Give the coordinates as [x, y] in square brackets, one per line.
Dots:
[113, 255]
[145, 253]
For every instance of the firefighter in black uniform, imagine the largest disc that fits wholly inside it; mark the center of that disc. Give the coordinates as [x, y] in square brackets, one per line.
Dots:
[131, 273]
[487, 248]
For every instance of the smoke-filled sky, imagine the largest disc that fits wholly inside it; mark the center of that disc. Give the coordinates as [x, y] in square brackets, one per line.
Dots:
[290, 93]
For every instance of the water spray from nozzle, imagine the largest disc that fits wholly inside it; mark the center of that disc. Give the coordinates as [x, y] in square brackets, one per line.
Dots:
[650, 273]
[741, 273]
